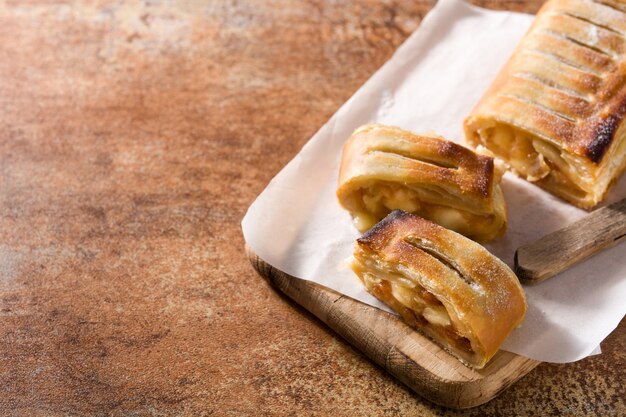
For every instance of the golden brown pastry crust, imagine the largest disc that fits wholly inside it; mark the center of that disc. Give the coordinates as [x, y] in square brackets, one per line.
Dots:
[384, 168]
[562, 97]
[412, 264]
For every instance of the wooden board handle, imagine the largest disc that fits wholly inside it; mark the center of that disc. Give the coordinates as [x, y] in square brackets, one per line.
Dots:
[560, 250]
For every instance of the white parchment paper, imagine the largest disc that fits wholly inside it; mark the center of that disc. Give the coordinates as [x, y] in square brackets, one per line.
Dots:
[431, 84]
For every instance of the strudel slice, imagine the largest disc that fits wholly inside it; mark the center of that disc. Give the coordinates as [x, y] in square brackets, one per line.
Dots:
[385, 168]
[555, 113]
[441, 283]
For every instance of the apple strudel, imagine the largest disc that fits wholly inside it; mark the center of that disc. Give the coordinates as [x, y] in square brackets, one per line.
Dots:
[385, 168]
[555, 113]
[441, 283]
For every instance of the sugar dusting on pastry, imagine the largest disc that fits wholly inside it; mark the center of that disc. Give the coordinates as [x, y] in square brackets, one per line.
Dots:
[592, 32]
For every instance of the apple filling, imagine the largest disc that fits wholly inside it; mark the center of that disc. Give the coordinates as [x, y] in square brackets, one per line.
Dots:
[378, 200]
[534, 158]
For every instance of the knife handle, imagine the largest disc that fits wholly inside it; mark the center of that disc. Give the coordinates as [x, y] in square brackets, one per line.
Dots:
[557, 251]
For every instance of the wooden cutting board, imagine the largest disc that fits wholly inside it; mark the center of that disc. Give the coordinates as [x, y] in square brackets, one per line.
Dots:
[412, 358]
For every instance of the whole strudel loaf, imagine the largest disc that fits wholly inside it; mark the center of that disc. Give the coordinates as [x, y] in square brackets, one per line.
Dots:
[555, 113]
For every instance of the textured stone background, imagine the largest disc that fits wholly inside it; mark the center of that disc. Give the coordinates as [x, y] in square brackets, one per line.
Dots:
[133, 136]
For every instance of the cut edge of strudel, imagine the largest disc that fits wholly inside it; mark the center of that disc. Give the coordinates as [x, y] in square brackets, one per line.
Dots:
[441, 283]
[385, 168]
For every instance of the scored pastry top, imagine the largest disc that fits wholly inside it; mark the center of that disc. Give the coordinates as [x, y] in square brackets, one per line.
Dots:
[383, 153]
[566, 82]
[482, 296]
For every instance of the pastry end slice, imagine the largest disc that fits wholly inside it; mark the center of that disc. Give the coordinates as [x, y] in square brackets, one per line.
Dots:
[385, 168]
[556, 113]
[444, 285]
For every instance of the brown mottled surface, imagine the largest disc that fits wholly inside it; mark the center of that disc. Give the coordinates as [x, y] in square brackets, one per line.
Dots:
[134, 135]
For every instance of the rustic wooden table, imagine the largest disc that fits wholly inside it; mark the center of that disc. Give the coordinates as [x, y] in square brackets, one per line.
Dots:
[134, 136]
